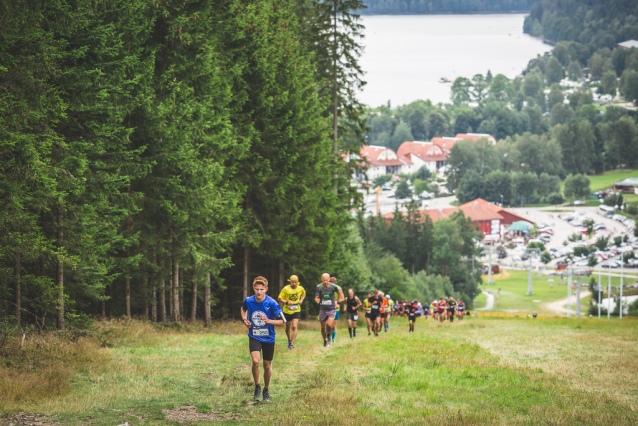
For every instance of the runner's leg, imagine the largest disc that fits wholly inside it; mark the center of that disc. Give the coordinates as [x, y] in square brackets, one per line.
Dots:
[323, 330]
[267, 374]
[256, 361]
[350, 328]
[288, 332]
[293, 330]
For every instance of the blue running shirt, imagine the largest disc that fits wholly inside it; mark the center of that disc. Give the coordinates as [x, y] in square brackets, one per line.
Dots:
[260, 330]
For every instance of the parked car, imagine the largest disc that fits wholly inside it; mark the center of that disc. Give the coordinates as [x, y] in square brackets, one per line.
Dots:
[618, 217]
[545, 238]
[495, 269]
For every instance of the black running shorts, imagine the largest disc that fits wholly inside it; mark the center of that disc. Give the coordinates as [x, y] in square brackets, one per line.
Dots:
[384, 315]
[290, 317]
[267, 349]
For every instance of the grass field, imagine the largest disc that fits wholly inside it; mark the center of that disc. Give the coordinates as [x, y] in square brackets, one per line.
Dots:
[513, 291]
[607, 179]
[473, 372]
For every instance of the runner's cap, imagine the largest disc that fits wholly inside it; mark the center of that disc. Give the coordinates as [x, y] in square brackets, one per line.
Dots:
[293, 278]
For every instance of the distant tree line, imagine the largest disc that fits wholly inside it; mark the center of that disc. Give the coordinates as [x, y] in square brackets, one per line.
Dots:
[427, 7]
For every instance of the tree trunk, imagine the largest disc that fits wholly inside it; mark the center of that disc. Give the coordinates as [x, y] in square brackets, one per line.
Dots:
[246, 259]
[153, 287]
[146, 298]
[176, 315]
[103, 309]
[162, 293]
[60, 272]
[128, 291]
[282, 278]
[335, 101]
[194, 300]
[170, 298]
[182, 311]
[18, 289]
[207, 302]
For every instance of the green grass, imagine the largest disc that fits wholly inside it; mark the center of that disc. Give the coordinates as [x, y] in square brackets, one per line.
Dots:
[513, 294]
[480, 301]
[471, 372]
[607, 179]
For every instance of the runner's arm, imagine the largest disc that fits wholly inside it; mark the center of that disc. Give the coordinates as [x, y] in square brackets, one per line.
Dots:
[302, 298]
[358, 303]
[284, 301]
[341, 298]
[265, 319]
[247, 323]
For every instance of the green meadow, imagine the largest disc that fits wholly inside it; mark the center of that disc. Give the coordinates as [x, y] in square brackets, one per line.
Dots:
[470, 372]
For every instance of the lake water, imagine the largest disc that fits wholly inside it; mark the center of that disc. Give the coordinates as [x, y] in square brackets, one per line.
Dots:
[405, 56]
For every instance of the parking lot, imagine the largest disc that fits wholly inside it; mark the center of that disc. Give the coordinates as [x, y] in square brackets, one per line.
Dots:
[562, 230]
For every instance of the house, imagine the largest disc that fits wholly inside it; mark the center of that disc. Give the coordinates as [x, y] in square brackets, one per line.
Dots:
[423, 154]
[486, 217]
[383, 160]
[445, 143]
[476, 136]
[629, 44]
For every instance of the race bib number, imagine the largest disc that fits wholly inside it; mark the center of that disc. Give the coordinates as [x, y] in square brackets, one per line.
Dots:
[355, 317]
[326, 302]
[293, 307]
[375, 306]
[260, 332]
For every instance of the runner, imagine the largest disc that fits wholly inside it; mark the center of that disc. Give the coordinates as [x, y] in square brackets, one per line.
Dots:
[261, 313]
[352, 312]
[292, 296]
[325, 297]
[434, 307]
[366, 307]
[376, 302]
[388, 311]
[333, 280]
[451, 308]
[411, 311]
[426, 311]
[382, 310]
[461, 308]
[440, 310]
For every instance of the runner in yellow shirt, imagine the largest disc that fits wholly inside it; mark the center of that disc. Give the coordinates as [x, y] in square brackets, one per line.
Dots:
[292, 297]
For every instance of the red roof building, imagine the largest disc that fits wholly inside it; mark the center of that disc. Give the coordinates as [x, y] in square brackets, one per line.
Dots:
[487, 217]
[423, 154]
[476, 136]
[383, 160]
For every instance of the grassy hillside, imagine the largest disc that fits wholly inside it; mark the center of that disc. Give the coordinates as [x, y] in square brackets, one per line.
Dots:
[473, 372]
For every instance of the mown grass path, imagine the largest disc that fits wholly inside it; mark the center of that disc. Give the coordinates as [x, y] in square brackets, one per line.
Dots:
[496, 372]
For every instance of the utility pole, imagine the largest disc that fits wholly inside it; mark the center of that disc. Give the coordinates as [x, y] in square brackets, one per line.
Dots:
[609, 294]
[489, 268]
[532, 253]
[569, 291]
[578, 298]
[622, 264]
[600, 270]
[377, 189]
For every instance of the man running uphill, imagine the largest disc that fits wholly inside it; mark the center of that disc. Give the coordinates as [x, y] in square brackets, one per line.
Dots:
[325, 297]
[352, 306]
[376, 302]
[292, 297]
[261, 313]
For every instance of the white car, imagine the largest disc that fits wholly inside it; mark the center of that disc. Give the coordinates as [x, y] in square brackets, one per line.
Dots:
[582, 263]
[611, 264]
[618, 217]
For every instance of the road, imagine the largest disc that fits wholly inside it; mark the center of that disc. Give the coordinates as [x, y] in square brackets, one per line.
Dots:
[560, 306]
[490, 302]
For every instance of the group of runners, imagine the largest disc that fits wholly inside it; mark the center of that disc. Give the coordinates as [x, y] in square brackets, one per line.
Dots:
[261, 313]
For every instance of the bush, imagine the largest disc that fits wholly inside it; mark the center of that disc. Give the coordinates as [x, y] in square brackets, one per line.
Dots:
[381, 180]
[423, 173]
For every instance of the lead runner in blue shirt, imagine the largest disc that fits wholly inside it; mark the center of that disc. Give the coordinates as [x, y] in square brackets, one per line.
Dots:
[260, 314]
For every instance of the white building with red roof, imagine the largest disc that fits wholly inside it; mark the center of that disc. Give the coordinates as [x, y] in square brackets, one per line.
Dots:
[423, 154]
[383, 160]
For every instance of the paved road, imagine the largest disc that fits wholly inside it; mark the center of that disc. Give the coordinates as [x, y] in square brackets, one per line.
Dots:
[490, 302]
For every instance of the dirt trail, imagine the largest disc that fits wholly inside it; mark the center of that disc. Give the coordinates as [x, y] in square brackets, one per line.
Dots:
[560, 305]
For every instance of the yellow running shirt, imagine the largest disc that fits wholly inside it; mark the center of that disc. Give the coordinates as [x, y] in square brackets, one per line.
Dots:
[366, 305]
[290, 295]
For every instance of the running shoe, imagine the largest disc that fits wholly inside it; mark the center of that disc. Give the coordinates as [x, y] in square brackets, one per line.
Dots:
[376, 335]
[292, 346]
[257, 394]
[266, 395]
[354, 333]
[325, 343]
